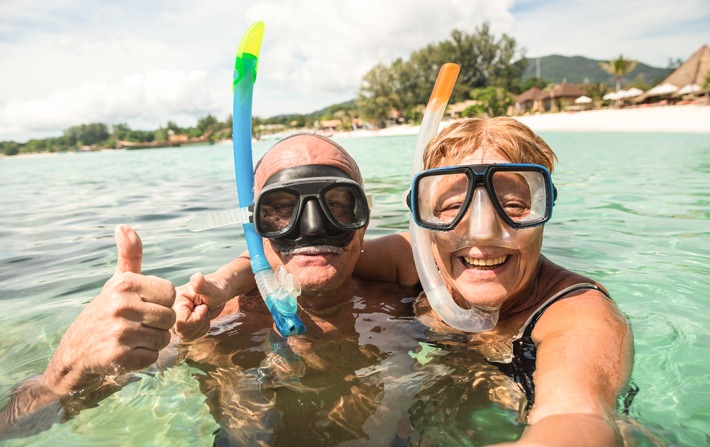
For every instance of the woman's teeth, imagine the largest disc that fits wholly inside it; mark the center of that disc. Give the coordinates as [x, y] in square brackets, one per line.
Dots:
[490, 262]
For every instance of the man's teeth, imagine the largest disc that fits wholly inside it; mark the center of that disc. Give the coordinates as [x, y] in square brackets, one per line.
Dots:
[490, 262]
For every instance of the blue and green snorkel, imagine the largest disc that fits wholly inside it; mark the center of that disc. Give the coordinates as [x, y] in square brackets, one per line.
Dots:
[277, 290]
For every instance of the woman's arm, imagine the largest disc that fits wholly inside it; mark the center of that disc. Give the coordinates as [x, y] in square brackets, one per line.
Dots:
[584, 361]
[203, 298]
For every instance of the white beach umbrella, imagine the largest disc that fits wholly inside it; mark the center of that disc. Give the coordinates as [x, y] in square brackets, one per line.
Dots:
[661, 90]
[633, 92]
[690, 88]
[583, 100]
[610, 96]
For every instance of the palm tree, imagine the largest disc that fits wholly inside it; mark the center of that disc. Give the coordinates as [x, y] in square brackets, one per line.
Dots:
[618, 67]
[596, 92]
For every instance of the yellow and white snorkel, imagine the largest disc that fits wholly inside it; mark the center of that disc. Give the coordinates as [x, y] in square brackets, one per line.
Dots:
[475, 319]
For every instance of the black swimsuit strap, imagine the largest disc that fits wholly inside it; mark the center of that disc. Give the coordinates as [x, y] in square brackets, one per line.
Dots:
[562, 294]
[522, 365]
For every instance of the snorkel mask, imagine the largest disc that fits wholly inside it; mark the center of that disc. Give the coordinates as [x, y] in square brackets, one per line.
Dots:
[311, 205]
[482, 204]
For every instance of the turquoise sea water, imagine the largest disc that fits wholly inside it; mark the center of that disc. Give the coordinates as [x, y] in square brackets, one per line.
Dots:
[633, 212]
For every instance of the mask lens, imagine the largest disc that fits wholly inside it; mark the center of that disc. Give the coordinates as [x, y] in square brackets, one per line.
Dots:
[441, 197]
[521, 195]
[277, 209]
[346, 206]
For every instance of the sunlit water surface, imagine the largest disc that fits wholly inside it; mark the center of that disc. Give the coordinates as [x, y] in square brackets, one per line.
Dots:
[633, 212]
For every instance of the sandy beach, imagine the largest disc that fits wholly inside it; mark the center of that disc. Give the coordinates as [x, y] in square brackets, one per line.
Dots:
[680, 119]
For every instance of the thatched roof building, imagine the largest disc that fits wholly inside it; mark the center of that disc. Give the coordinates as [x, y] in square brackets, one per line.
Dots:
[692, 72]
[550, 99]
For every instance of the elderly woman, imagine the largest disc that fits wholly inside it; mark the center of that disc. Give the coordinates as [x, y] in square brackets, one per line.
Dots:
[485, 195]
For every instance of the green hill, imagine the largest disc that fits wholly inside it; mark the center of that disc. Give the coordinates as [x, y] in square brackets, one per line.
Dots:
[579, 69]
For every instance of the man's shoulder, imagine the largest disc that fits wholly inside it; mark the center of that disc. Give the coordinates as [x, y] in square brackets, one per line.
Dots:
[386, 289]
[248, 302]
[377, 294]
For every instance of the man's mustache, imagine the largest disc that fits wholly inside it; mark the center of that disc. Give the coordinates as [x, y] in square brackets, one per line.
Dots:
[315, 250]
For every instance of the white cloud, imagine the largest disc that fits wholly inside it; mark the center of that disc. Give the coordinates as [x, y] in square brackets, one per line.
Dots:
[74, 61]
[649, 31]
[149, 99]
[330, 46]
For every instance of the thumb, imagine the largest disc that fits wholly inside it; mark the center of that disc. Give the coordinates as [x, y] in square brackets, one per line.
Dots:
[130, 249]
[203, 286]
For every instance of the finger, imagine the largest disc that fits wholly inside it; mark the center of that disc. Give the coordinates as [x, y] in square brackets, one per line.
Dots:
[158, 317]
[158, 291]
[201, 313]
[149, 289]
[146, 338]
[198, 325]
[183, 308]
[130, 249]
[136, 359]
[184, 292]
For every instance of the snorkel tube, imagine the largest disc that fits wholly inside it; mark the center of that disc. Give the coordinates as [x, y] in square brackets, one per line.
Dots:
[476, 319]
[278, 291]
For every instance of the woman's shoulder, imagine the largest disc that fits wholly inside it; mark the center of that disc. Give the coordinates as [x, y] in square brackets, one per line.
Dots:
[574, 300]
[584, 316]
[554, 279]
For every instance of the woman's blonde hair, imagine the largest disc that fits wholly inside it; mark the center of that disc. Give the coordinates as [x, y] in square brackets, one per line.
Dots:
[508, 135]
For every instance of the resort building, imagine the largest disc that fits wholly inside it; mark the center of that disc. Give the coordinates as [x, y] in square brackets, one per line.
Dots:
[686, 82]
[555, 98]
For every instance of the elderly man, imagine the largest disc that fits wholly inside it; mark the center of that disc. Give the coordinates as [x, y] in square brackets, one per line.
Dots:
[319, 239]
[315, 248]
[307, 389]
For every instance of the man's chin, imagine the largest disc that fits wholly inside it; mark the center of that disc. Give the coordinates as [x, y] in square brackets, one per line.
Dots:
[316, 280]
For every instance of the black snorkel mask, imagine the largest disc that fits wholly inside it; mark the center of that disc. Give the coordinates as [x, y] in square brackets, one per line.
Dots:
[312, 205]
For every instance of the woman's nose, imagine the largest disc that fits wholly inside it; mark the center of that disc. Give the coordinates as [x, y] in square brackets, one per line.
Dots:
[483, 220]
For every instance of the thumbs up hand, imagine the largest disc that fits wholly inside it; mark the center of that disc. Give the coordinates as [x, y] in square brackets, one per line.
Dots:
[121, 330]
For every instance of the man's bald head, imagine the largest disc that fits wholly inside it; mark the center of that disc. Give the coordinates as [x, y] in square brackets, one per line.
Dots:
[321, 268]
[304, 149]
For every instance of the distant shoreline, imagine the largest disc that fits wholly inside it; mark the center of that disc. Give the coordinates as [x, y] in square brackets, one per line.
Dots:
[677, 119]
[653, 119]
[665, 119]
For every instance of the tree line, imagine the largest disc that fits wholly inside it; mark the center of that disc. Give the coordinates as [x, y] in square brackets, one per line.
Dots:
[101, 136]
[491, 72]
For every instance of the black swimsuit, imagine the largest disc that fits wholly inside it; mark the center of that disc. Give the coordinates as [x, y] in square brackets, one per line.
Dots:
[522, 365]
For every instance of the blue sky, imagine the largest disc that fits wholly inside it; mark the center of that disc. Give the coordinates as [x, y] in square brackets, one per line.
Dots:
[68, 62]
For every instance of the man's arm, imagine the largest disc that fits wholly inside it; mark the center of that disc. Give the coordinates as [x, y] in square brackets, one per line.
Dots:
[123, 329]
[388, 258]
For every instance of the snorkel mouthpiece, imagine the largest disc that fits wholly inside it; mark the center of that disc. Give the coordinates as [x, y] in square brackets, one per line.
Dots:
[475, 319]
[281, 290]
